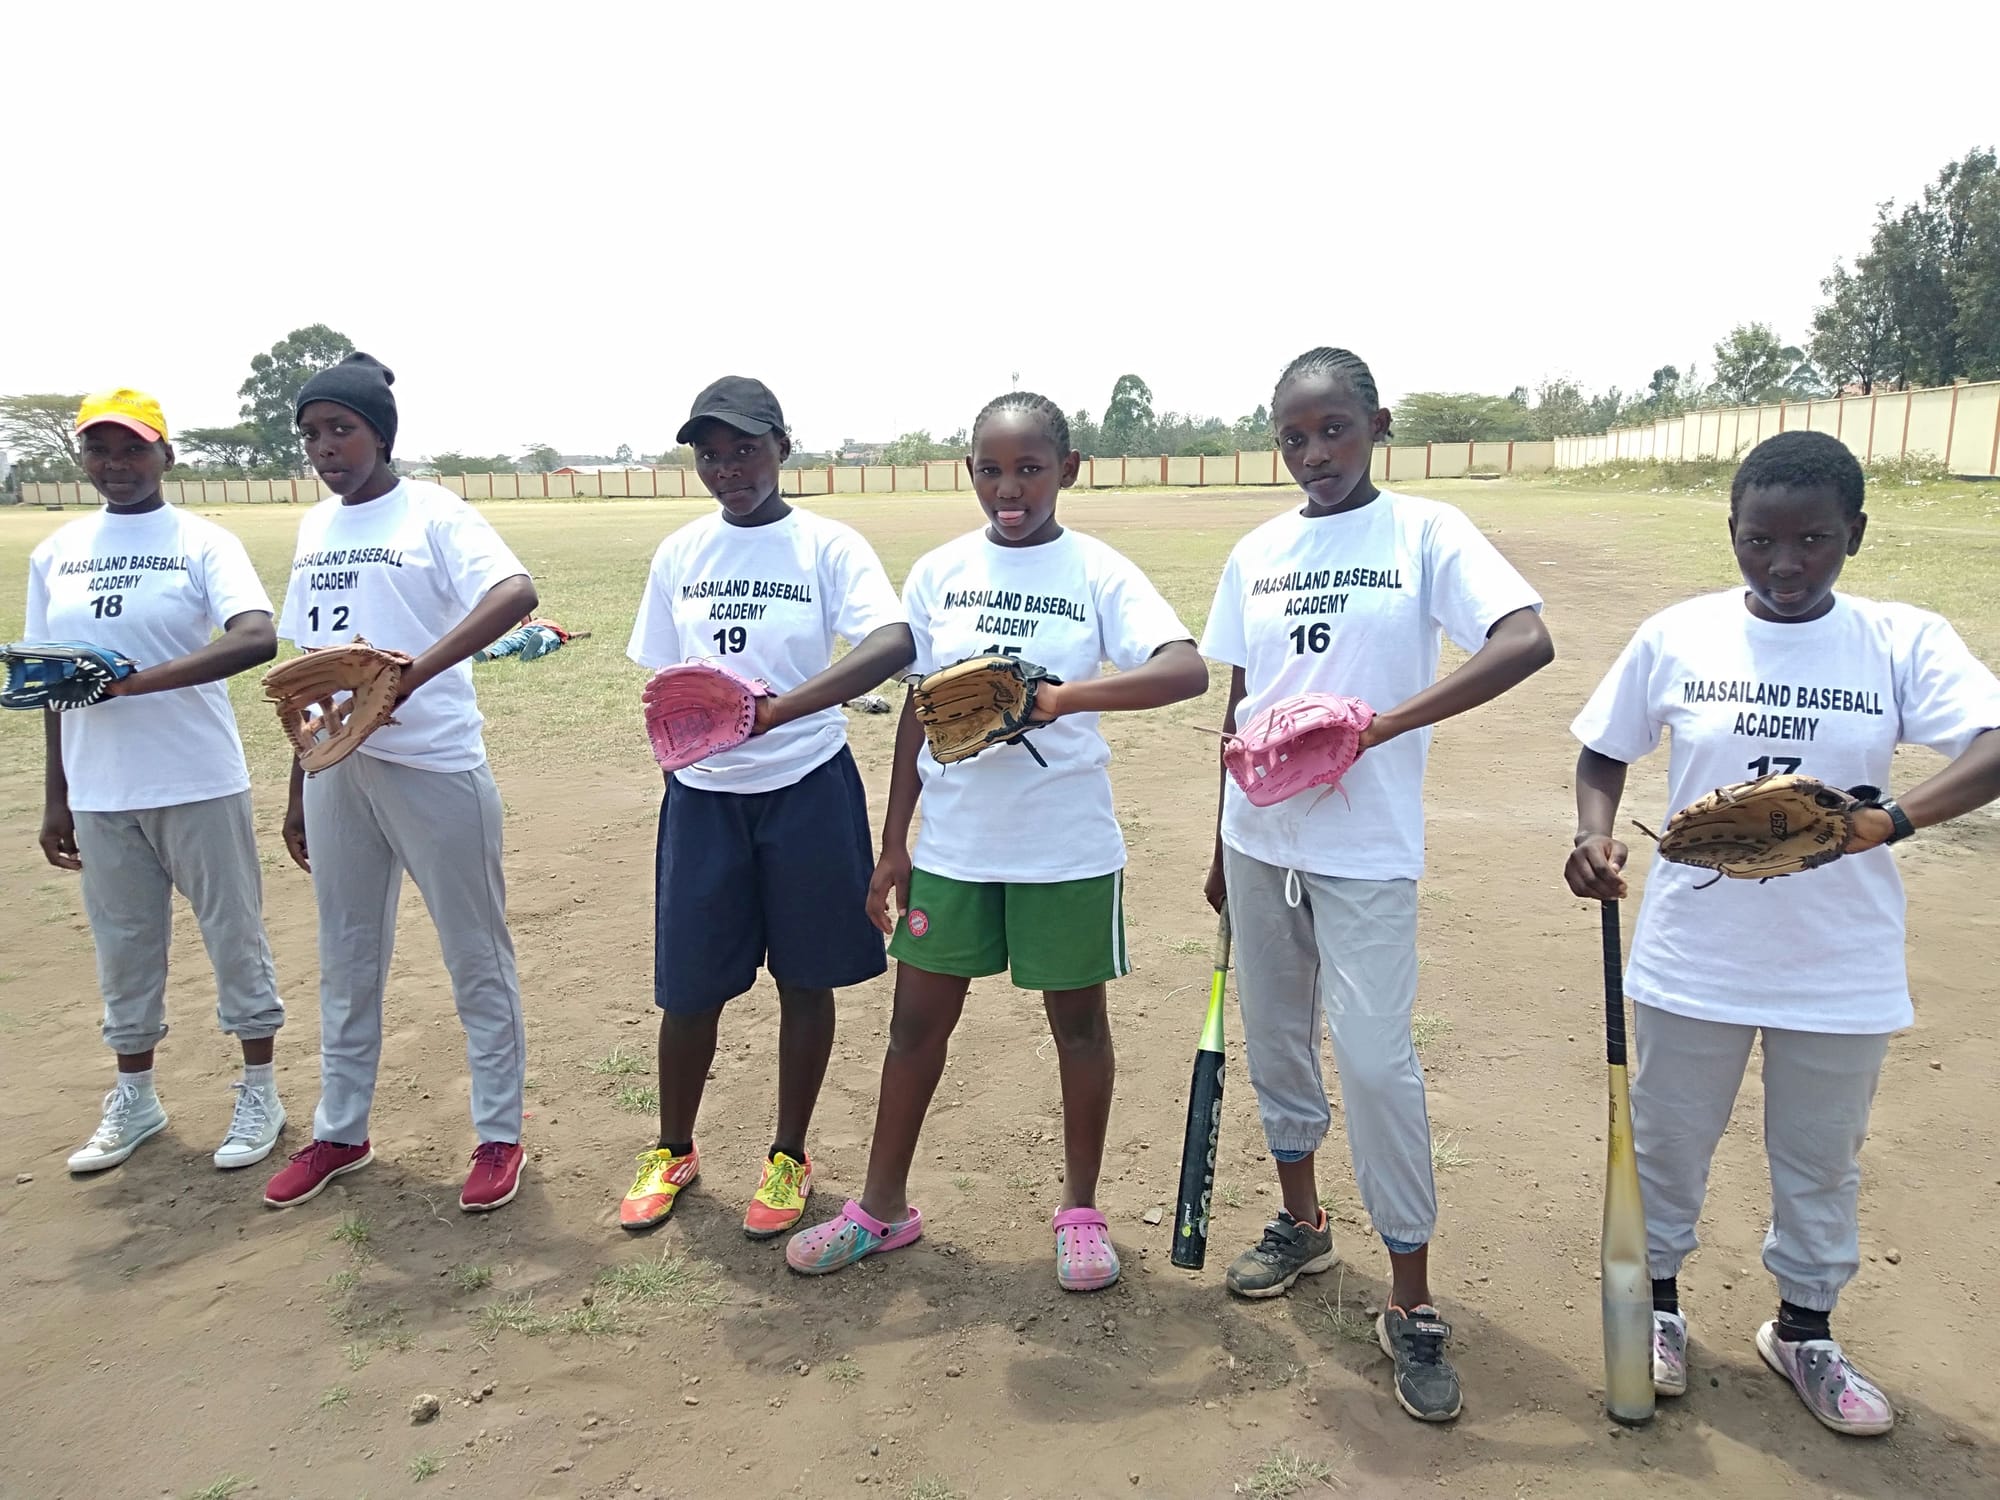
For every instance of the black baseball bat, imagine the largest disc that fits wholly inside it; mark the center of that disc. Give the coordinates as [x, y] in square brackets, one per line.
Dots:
[1204, 1120]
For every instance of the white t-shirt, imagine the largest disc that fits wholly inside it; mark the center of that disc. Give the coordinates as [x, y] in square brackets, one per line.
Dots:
[1353, 604]
[765, 601]
[401, 570]
[1744, 697]
[152, 587]
[1070, 606]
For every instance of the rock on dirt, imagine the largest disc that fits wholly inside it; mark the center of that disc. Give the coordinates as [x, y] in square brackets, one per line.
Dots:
[424, 1409]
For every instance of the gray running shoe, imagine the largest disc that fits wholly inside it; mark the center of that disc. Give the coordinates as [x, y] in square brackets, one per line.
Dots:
[1426, 1384]
[1287, 1251]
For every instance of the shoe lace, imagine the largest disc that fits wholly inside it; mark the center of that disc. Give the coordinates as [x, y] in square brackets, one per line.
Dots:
[1424, 1335]
[117, 1108]
[785, 1174]
[252, 1114]
[491, 1154]
[1280, 1238]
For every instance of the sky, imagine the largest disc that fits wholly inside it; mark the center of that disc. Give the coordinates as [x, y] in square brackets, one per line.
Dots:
[558, 222]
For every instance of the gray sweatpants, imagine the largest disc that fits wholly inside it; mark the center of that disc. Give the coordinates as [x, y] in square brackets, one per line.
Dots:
[132, 864]
[367, 821]
[1350, 947]
[1818, 1089]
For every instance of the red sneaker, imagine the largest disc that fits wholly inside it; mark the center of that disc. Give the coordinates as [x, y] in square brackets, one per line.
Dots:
[494, 1179]
[310, 1170]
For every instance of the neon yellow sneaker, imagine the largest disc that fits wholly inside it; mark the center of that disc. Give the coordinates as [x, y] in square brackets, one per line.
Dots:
[780, 1197]
[661, 1177]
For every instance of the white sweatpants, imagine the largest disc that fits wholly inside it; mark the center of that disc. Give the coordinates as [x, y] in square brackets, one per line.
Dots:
[132, 864]
[1348, 947]
[1818, 1089]
[367, 821]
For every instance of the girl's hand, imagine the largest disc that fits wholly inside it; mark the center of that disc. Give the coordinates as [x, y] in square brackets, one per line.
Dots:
[1594, 868]
[59, 837]
[1048, 703]
[295, 834]
[1215, 889]
[892, 876]
[1872, 826]
[1380, 728]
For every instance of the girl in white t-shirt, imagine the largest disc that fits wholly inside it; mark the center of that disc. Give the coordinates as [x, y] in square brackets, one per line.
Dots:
[410, 567]
[978, 897]
[147, 793]
[1781, 675]
[1349, 595]
[764, 854]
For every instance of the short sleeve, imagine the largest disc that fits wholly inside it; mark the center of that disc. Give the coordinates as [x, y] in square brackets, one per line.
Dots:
[1134, 618]
[1947, 696]
[917, 609]
[1222, 638]
[656, 639]
[38, 598]
[1619, 721]
[229, 581]
[476, 557]
[864, 599]
[1472, 587]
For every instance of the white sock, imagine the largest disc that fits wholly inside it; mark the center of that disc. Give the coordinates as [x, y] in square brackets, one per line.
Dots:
[140, 1083]
[260, 1075]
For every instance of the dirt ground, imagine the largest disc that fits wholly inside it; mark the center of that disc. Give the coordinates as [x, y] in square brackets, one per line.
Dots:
[164, 1332]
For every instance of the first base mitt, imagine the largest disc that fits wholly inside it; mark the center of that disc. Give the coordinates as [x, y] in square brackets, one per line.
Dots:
[696, 710]
[1757, 830]
[978, 703]
[60, 675]
[324, 726]
[1301, 742]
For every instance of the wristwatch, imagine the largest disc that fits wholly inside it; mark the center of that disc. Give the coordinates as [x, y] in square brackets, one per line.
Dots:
[1899, 820]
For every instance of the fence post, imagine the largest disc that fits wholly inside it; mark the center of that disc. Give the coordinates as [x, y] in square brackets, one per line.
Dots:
[1510, 455]
[1201, 473]
[1951, 426]
[1427, 460]
[1873, 397]
[1993, 463]
[1909, 401]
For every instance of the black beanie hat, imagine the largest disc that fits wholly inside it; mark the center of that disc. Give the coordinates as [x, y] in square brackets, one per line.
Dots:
[360, 383]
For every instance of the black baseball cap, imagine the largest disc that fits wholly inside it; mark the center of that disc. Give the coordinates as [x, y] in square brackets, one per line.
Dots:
[743, 403]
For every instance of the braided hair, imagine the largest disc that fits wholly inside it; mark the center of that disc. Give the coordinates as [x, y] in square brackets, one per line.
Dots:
[1339, 363]
[1054, 424]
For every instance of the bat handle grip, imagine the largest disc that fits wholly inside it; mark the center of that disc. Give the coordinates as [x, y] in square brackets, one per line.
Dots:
[1614, 987]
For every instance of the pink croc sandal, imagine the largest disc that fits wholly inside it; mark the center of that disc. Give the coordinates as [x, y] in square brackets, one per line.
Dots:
[1085, 1259]
[847, 1237]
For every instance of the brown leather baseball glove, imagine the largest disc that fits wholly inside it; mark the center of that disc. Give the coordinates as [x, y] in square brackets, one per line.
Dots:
[1756, 830]
[332, 699]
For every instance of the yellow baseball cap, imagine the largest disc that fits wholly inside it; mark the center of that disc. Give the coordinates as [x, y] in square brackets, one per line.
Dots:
[129, 409]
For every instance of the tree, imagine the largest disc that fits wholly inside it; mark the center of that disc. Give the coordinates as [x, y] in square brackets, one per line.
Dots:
[1562, 408]
[542, 459]
[40, 431]
[1461, 417]
[1128, 420]
[1854, 337]
[680, 456]
[271, 394]
[1084, 434]
[917, 447]
[472, 463]
[1754, 367]
[238, 449]
[623, 454]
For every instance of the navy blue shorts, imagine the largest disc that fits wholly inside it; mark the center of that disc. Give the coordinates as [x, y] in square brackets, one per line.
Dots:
[777, 880]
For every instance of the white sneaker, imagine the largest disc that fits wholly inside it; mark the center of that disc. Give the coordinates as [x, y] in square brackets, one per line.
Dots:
[128, 1120]
[1670, 1354]
[253, 1127]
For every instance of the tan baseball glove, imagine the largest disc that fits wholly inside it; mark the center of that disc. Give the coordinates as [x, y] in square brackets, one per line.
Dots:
[978, 703]
[1757, 830]
[332, 699]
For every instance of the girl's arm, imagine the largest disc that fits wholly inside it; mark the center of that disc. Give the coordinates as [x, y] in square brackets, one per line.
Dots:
[1215, 888]
[1595, 868]
[247, 640]
[58, 838]
[295, 818]
[1171, 674]
[492, 617]
[892, 870]
[1517, 647]
[881, 655]
[1967, 784]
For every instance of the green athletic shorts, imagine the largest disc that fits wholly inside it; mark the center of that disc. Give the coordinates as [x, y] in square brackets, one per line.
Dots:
[1066, 935]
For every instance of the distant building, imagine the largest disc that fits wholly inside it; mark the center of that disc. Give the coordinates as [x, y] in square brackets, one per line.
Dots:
[854, 451]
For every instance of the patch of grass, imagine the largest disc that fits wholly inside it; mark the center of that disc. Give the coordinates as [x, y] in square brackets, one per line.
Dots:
[509, 1315]
[343, 1282]
[222, 1489]
[338, 1396]
[621, 1060]
[1446, 1154]
[1426, 1028]
[1020, 1182]
[356, 1355]
[932, 1488]
[1337, 1318]
[423, 1466]
[1188, 945]
[400, 1340]
[1288, 1473]
[471, 1278]
[962, 1182]
[1232, 1196]
[590, 1320]
[637, 1099]
[671, 1279]
[843, 1372]
[353, 1232]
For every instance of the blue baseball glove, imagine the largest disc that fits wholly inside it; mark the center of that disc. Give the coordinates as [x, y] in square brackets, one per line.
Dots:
[60, 675]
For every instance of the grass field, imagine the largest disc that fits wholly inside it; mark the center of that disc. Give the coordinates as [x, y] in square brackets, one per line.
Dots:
[247, 1352]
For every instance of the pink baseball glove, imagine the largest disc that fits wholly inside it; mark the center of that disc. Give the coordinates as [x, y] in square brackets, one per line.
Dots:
[1295, 744]
[696, 710]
